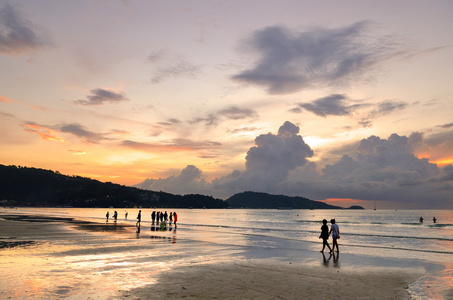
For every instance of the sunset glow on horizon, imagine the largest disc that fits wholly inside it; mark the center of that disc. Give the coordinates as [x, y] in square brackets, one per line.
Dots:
[340, 102]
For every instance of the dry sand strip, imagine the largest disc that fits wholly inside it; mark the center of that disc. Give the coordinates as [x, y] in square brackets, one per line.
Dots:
[252, 280]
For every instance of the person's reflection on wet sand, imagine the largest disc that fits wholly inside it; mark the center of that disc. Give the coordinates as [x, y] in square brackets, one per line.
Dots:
[326, 261]
[336, 258]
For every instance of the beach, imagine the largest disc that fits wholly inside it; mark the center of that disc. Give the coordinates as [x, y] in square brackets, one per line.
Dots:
[65, 257]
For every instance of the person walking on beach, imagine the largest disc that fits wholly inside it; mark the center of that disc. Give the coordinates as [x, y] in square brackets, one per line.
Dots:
[324, 236]
[115, 215]
[171, 217]
[125, 215]
[153, 216]
[107, 216]
[139, 219]
[175, 217]
[335, 231]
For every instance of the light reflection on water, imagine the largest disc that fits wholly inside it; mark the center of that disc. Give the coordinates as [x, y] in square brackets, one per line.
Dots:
[104, 259]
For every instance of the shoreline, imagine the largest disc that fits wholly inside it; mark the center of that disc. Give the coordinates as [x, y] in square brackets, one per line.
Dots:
[203, 277]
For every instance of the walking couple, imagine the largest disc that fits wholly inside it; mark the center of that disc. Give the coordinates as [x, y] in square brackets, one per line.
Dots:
[334, 230]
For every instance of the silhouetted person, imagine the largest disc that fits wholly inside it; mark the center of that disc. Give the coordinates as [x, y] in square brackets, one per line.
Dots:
[153, 216]
[125, 215]
[175, 217]
[115, 215]
[324, 236]
[165, 216]
[107, 216]
[139, 219]
[171, 217]
[434, 220]
[335, 231]
[421, 219]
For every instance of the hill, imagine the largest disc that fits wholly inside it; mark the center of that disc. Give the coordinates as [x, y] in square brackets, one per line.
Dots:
[23, 186]
[264, 200]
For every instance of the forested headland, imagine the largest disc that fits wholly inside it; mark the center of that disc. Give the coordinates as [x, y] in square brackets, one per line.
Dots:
[27, 186]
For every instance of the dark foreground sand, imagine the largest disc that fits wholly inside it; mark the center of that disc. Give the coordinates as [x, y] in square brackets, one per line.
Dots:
[224, 279]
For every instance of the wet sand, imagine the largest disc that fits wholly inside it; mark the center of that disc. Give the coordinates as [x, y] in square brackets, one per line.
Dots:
[260, 280]
[46, 257]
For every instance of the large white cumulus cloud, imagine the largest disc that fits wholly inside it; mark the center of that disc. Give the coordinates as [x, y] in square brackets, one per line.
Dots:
[380, 169]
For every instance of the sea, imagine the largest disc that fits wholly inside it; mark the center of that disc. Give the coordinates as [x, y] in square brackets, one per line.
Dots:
[378, 238]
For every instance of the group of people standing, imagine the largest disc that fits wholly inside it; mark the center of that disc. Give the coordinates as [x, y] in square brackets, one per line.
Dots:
[157, 217]
[325, 233]
[163, 217]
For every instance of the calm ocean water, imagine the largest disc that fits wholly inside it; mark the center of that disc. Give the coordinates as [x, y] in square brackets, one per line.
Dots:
[387, 234]
[381, 232]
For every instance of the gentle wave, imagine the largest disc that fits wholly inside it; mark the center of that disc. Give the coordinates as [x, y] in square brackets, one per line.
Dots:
[317, 232]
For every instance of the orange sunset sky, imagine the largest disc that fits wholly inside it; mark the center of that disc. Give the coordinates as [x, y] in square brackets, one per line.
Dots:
[346, 102]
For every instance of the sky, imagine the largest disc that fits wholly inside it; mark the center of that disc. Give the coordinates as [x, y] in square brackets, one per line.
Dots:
[347, 102]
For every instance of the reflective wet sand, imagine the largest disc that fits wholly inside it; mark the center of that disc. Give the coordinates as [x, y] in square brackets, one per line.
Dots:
[63, 258]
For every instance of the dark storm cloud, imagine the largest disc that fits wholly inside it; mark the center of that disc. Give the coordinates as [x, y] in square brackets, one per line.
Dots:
[290, 61]
[17, 33]
[100, 96]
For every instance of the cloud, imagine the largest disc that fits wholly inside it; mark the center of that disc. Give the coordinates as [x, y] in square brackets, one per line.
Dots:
[53, 133]
[275, 155]
[446, 126]
[232, 113]
[182, 68]
[170, 122]
[8, 101]
[341, 105]
[79, 131]
[157, 56]
[172, 145]
[100, 96]
[290, 61]
[236, 113]
[189, 181]
[333, 105]
[268, 163]
[5, 100]
[43, 132]
[381, 169]
[18, 34]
